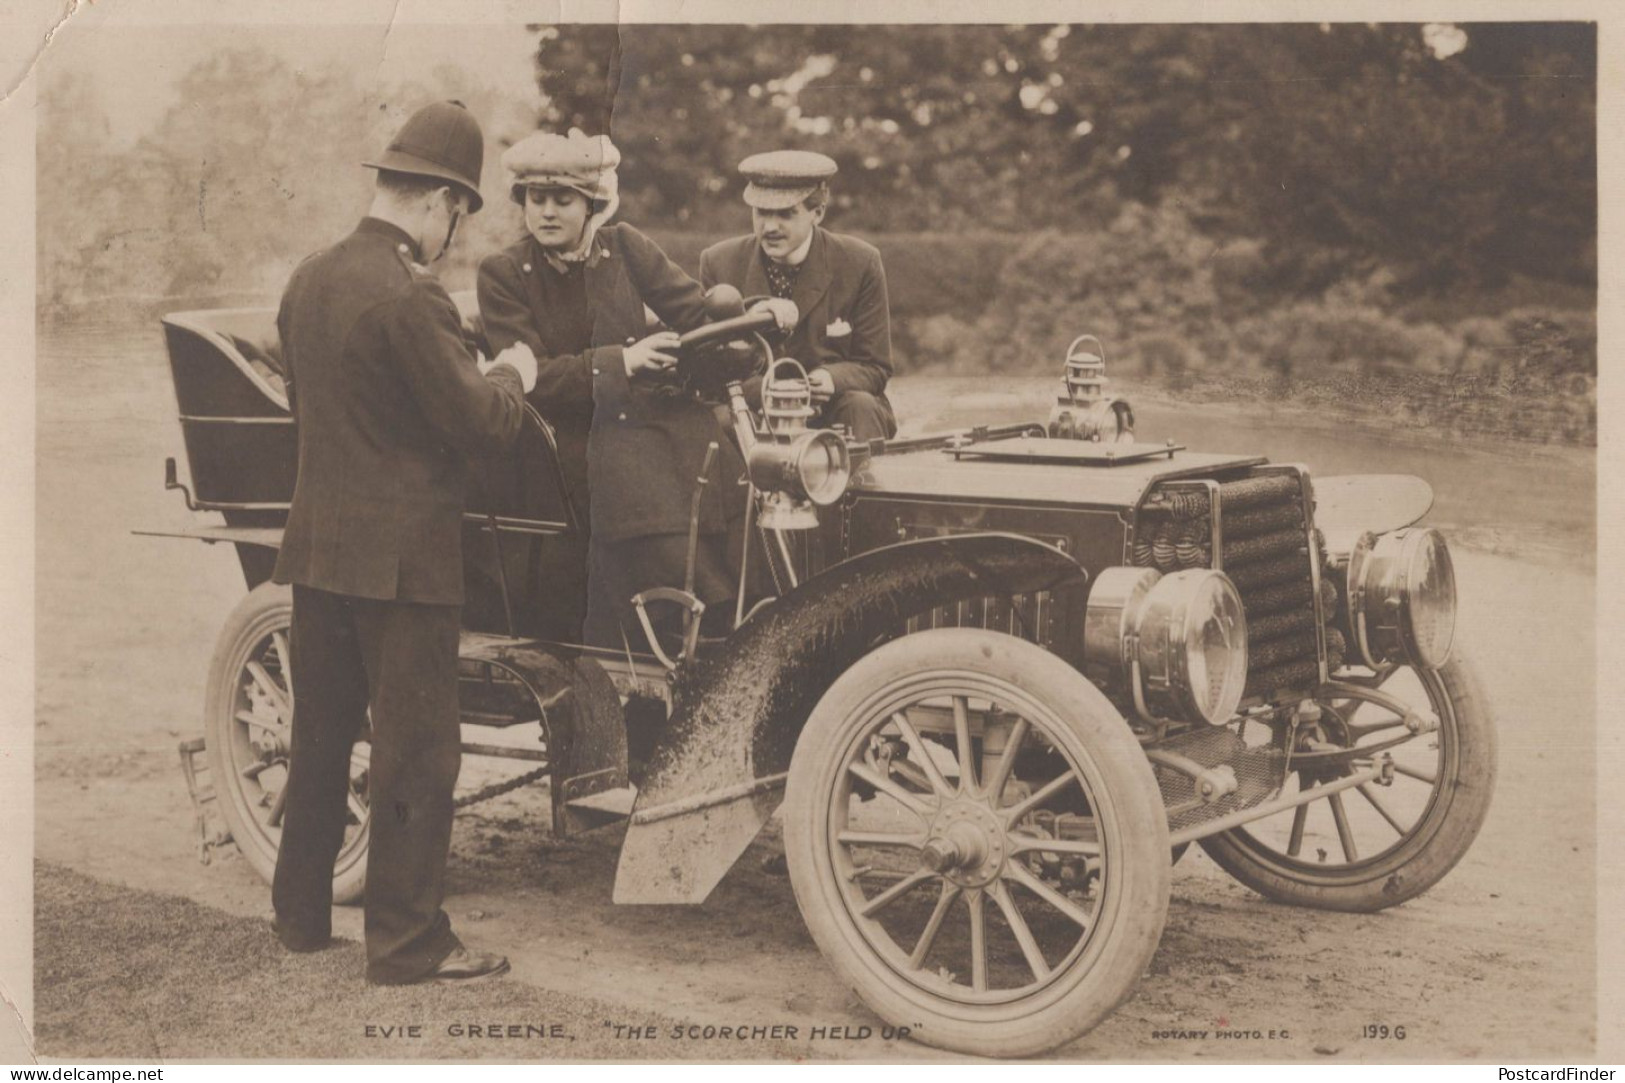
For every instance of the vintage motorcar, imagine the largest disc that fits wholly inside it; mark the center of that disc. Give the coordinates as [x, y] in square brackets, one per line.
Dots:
[999, 679]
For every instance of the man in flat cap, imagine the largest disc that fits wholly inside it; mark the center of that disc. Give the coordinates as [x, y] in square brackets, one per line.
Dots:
[391, 406]
[836, 281]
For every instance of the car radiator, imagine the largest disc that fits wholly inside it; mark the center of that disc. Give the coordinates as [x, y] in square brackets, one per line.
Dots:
[1027, 616]
[1261, 530]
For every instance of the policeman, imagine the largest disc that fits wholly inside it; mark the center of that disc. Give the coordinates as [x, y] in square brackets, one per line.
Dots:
[390, 407]
[836, 281]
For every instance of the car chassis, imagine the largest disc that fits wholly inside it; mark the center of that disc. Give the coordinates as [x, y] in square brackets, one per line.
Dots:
[1003, 677]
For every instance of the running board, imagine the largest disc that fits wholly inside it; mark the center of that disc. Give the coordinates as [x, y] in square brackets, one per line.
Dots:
[597, 809]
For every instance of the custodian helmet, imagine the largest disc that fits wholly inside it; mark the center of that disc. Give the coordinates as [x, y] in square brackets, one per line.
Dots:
[441, 140]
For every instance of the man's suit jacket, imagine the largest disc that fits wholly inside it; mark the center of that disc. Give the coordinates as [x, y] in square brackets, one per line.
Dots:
[840, 292]
[390, 408]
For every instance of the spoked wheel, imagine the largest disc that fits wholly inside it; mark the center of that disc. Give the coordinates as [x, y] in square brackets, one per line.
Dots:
[1379, 843]
[248, 722]
[977, 843]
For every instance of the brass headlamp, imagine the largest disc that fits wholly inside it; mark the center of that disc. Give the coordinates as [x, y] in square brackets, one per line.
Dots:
[1401, 590]
[1085, 411]
[1177, 643]
[794, 469]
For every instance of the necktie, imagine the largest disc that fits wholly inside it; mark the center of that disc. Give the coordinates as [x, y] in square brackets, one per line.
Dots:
[781, 278]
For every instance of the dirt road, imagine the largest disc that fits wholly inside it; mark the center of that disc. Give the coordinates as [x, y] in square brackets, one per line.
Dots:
[1495, 963]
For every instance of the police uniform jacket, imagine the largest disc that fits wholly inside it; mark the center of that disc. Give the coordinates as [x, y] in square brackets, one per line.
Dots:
[646, 442]
[390, 409]
[840, 293]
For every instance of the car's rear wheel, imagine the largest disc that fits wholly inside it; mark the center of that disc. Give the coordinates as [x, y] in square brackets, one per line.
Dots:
[248, 720]
[1375, 845]
[977, 843]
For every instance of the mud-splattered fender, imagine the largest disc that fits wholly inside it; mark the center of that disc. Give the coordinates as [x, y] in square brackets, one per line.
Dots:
[715, 777]
[580, 713]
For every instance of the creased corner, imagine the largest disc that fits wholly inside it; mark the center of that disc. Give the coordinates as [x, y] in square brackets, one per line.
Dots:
[616, 72]
[69, 10]
[389, 28]
[11, 1009]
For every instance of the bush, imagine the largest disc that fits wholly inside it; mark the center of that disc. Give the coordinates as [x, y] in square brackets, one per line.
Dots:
[1196, 316]
[683, 248]
[927, 274]
[1552, 345]
[1173, 308]
[1313, 337]
[938, 284]
[1149, 274]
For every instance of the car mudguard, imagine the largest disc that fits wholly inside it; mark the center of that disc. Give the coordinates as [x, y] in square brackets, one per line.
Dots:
[581, 720]
[715, 776]
[1347, 505]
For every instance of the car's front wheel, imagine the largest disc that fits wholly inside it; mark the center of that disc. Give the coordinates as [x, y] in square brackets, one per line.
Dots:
[977, 843]
[1377, 844]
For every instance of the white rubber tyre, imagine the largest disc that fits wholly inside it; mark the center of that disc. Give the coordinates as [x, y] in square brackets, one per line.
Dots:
[1078, 770]
[247, 720]
[1404, 838]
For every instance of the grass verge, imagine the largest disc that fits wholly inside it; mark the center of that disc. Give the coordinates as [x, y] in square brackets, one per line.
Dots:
[135, 975]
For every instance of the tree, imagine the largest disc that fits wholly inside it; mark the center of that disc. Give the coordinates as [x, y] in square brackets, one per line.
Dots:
[1342, 147]
[72, 159]
[255, 164]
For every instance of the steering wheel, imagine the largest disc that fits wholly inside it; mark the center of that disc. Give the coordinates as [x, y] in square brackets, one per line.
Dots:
[709, 369]
[737, 327]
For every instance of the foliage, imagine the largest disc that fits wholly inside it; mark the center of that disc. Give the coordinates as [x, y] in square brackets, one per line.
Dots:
[1154, 290]
[255, 166]
[1321, 209]
[926, 273]
[71, 240]
[1336, 148]
[1312, 154]
[206, 189]
[1147, 270]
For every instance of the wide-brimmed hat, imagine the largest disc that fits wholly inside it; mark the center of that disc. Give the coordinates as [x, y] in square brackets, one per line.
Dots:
[583, 163]
[784, 178]
[441, 140]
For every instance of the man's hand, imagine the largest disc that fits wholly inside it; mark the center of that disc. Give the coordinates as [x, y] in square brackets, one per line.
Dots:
[519, 356]
[650, 354]
[822, 385]
[784, 310]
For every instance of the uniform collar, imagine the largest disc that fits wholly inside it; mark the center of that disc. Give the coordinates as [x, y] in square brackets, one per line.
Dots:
[393, 233]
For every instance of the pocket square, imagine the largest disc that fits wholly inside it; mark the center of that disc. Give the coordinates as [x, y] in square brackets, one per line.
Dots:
[838, 329]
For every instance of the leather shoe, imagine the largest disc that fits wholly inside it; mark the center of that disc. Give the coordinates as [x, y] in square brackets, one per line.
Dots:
[463, 965]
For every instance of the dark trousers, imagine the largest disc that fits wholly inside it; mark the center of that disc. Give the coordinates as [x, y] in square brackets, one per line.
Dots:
[400, 660]
[866, 416]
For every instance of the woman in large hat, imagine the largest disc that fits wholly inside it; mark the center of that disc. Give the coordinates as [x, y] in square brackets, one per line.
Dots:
[579, 291]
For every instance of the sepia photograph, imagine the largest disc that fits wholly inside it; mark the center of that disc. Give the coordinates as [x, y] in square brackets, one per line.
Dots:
[773, 540]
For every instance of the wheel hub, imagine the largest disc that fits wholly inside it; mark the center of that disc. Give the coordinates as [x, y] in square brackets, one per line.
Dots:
[965, 844]
[267, 739]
